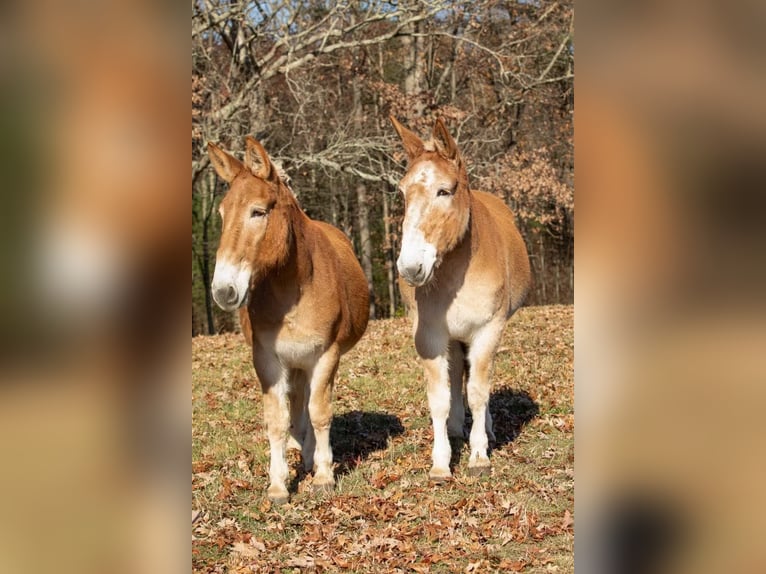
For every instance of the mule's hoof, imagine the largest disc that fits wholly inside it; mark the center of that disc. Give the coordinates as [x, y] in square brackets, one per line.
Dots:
[439, 475]
[279, 499]
[479, 470]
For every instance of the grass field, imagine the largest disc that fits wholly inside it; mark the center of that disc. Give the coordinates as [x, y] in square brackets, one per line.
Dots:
[384, 515]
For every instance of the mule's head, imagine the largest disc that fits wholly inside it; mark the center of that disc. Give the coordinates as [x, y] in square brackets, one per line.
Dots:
[436, 200]
[255, 228]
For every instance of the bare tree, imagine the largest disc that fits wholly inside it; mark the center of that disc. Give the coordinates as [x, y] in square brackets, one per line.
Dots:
[316, 82]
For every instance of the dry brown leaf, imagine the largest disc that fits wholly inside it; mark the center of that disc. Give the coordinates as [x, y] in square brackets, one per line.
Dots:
[567, 522]
[512, 565]
[302, 562]
[249, 549]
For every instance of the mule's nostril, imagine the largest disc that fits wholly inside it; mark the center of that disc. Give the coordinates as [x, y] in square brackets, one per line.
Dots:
[226, 295]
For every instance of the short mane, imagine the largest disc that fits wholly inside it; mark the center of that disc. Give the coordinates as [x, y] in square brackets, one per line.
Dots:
[284, 177]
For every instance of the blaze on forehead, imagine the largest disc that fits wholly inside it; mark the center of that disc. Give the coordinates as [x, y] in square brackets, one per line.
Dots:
[433, 164]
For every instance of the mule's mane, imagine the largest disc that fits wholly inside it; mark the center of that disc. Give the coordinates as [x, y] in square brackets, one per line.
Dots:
[283, 176]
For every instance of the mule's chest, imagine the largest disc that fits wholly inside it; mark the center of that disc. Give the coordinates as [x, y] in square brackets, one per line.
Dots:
[463, 312]
[466, 315]
[296, 341]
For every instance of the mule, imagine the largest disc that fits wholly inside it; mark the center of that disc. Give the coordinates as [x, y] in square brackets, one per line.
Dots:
[463, 271]
[306, 301]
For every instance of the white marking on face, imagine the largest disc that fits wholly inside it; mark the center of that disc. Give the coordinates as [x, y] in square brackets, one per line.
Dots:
[425, 175]
[231, 284]
[417, 258]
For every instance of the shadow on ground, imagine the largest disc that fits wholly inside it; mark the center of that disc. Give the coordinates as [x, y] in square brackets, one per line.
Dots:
[356, 434]
[511, 411]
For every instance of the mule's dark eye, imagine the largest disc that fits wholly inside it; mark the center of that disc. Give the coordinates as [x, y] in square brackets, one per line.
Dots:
[257, 212]
[443, 192]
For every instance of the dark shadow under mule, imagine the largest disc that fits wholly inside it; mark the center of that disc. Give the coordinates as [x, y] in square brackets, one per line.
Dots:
[357, 434]
[511, 411]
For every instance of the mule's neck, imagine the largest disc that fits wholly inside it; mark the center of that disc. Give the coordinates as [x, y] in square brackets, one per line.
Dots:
[294, 266]
[465, 203]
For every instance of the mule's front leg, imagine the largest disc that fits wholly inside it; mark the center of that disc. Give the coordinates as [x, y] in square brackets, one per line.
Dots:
[438, 381]
[320, 415]
[277, 415]
[480, 358]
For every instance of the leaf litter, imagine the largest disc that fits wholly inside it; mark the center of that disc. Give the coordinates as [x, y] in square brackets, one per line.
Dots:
[384, 515]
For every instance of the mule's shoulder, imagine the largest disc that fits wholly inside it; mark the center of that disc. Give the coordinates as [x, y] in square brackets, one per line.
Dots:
[335, 235]
[351, 285]
[498, 224]
[493, 203]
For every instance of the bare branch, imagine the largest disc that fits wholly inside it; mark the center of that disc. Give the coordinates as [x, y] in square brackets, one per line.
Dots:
[555, 57]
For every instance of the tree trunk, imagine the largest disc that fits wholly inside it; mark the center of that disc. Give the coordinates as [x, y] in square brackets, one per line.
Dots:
[388, 250]
[541, 274]
[207, 208]
[362, 208]
[415, 68]
[365, 245]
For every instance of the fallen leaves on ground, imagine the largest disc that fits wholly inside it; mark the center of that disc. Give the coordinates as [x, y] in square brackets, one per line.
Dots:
[384, 515]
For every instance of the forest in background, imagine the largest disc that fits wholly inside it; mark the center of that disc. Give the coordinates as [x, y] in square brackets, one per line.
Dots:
[316, 81]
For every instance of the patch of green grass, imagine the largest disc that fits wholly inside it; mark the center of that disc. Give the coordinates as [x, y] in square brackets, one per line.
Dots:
[384, 514]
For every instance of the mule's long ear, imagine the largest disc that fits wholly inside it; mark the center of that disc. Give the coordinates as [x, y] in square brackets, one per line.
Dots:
[444, 142]
[257, 160]
[413, 145]
[226, 166]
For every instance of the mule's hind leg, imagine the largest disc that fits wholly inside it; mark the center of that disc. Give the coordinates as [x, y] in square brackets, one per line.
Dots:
[480, 358]
[320, 415]
[308, 446]
[298, 410]
[456, 419]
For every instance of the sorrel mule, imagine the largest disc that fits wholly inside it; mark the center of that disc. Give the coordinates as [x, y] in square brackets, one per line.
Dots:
[307, 304]
[463, 272]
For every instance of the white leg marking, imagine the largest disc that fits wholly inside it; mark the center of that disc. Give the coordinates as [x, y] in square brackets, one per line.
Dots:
[276, 413]
[481, 357]
[277, 422]
[320, 415]
[437, 378]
